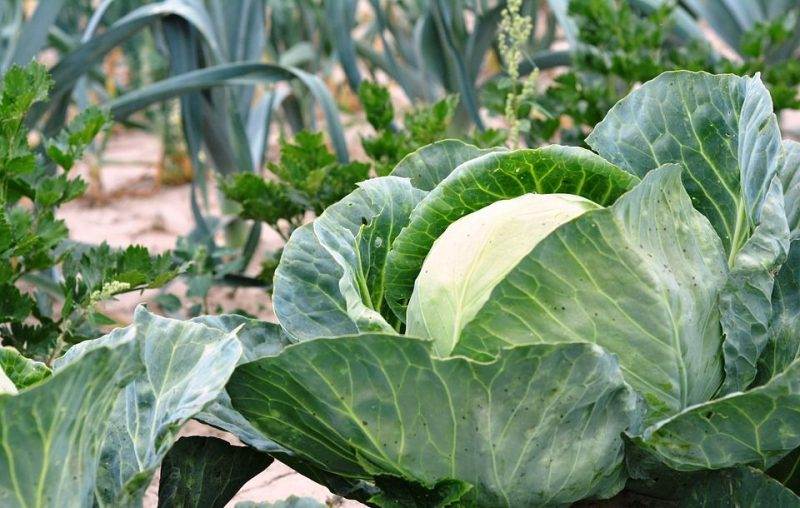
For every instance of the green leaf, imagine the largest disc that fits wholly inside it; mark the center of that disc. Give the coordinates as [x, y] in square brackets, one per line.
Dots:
[21, 88]
[429, 165]
[336, 182]
[787, 471]
[70, 144]
[784, 329]
[23, 164]
[790, 176]
[755, 427]
[349, 488]
[21, 371]
[206, 472]
[377, 104]
[234, 73]
[405, 494]
[298, 159]
[644, 277]
[658, 485]
[340, 16]
[742, 486]
[36, 237]
[186, 366]
[53, 191]
[260, 199]
[14, 306]
[376, 405]
[722, 130]
[32, 35]
[33, 340]
[98, 319]
[135, 266]
[6, 236]
[745, 301]
[53, 430]
[489, 138]
[258, 339]
[311, 179]
[490, 178]
[386, 149]
[331, 278]
[427, 124]
[73, 65]
[736, 22]
[169, 302]
[100, 272]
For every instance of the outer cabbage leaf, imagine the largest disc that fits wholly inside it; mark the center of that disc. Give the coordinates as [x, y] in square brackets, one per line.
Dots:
[331, 277]
[787, 471]
[494, 177]
[410, 494]
[784, 344]
[640, 278]
[431, 164]
[186, 366]
[206, 472]
[656, 484]
[539, 424]
[739, 486]
[742, 486]
[21, 371]
[755, 427]
[746, 300]
[784, 328]
[258, 339]
[790, 177]
[722, 130]
[51, 432]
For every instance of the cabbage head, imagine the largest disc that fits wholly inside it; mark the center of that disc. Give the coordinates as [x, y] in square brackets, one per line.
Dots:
[544, 326]
[474, 254]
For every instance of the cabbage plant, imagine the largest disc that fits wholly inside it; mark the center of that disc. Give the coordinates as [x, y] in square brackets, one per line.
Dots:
[550, 325]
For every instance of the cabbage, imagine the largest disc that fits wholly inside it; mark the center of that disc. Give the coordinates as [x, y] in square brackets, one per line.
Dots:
[474, 254]
[469, 336]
